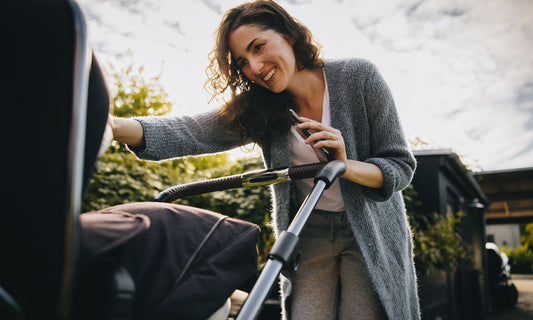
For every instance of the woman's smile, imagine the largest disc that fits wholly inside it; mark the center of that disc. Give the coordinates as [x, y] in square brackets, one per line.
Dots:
[269, 75]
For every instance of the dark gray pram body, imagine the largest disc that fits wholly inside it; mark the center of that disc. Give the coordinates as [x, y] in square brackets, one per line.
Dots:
[57, 264]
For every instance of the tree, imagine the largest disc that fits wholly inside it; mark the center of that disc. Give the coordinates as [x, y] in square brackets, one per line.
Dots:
[133, 96]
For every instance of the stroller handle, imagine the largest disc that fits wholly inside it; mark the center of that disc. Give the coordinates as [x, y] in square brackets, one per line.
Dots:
[250, 179]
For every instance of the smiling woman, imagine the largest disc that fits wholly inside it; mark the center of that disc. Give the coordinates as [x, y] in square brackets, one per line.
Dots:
[255, 45]
[356, 250]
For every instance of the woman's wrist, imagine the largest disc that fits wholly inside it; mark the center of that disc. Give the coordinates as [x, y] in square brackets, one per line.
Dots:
[363, 173]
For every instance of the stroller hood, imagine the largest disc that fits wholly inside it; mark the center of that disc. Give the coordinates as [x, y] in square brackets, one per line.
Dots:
[188, 262]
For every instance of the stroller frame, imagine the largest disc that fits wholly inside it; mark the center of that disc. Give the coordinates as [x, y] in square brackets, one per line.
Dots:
[283, 254]
[284, 248]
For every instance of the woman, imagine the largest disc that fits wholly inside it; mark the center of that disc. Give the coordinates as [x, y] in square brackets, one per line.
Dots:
[356, 247]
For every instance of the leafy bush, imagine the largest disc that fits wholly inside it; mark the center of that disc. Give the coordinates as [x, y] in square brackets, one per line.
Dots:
[437, 241]
[122, 178]
[439, 245]
[520, 259]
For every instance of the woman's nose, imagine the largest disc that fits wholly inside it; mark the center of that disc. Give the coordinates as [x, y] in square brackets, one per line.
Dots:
[256, 66]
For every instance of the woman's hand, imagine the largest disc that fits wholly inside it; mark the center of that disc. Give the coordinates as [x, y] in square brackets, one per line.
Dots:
[128, 131]
[363, 173]
[324, 136]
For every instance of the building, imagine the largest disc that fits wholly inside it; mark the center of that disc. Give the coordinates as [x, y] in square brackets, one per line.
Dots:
[444, 185]
[510, 193]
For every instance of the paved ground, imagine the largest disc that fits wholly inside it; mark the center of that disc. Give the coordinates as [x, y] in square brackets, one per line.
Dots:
[524, 307]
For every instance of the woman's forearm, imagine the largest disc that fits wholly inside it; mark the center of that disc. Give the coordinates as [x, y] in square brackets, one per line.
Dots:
[128, 131]
[363, 173]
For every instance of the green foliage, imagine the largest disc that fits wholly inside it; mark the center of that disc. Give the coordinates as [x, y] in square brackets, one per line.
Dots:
[121, 178]
[437, 241]
[135, 96]
[527, 236]
[412, 206]
[440, 245]
[520, 259]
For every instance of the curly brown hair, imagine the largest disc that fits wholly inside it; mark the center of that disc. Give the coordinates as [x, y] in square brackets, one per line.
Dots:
[252, 112]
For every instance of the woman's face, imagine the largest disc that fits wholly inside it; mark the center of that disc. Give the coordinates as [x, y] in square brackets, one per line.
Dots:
[265, 57]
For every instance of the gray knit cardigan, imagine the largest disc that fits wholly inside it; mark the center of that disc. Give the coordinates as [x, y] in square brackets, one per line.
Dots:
[362, 108]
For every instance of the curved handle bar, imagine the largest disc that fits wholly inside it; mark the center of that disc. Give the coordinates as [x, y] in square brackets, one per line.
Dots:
[254, 178]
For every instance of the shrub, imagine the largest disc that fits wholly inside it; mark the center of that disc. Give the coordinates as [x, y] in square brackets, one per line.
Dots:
[520, 259]
[437, 241]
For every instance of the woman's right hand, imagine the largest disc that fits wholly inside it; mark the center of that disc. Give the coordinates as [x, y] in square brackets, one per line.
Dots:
[127, 131]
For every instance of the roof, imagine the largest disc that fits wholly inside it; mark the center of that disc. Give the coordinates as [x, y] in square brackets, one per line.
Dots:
[510, 193]
[462, 174]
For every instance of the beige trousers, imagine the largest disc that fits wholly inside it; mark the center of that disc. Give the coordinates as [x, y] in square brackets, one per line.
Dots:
[332, 281]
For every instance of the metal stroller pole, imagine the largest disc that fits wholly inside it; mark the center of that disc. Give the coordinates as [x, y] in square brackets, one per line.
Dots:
[283, 249]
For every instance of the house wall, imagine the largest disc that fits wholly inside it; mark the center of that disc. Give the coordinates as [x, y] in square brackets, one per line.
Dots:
[504, 235]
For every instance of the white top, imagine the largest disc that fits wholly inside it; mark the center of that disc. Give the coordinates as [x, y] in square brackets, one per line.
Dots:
[302, 153]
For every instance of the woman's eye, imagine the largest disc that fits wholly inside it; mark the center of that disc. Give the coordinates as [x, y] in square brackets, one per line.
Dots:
[258, 47]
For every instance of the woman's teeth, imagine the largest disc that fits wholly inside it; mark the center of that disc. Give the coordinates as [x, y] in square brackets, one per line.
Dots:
[269, 75]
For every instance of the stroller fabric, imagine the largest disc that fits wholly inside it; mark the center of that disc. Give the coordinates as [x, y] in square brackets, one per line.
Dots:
[185, 261]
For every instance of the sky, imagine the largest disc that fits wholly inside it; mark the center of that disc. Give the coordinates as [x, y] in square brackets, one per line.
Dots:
[461, 72]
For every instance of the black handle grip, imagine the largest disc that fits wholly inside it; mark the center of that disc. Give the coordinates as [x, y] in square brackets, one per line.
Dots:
[194, 188]
[236, 181]
[305, 171]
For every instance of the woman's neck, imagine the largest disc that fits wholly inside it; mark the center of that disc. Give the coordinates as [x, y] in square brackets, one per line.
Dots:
[308, 90]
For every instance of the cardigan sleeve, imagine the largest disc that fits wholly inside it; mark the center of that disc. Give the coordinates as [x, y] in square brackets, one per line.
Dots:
[169, 137]
[388, 146]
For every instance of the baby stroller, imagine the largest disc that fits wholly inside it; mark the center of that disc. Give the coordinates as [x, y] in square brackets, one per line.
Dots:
[58, 264]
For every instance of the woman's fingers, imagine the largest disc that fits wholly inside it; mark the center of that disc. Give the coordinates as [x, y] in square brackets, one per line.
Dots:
[313, 125]
[321, 132]
[324, 136]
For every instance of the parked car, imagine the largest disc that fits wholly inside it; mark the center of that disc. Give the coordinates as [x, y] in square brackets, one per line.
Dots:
[503, 292]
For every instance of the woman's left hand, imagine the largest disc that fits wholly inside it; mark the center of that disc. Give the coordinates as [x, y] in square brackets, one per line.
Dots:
[363, 173]
[324, 136]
